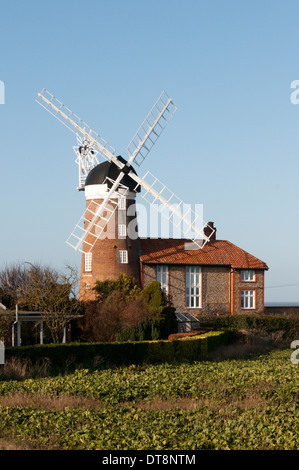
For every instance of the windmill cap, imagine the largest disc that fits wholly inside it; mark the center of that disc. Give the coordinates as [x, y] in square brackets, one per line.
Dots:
[100, 173]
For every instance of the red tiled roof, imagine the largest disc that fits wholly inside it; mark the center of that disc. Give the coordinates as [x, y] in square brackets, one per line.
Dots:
[218, 252]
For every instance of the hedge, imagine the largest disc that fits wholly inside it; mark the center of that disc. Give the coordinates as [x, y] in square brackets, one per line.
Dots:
[123, 353]
[266, 323]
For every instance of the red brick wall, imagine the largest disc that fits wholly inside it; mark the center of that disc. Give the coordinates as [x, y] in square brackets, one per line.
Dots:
[105, 262]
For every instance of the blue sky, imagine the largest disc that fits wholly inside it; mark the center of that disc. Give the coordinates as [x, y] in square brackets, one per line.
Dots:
[233, 144]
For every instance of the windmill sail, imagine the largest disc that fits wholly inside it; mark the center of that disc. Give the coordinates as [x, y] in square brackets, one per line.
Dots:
[78, 239]
[94, 220]
[92, 224]
[151, 129]
[172, 207]
[74, 123]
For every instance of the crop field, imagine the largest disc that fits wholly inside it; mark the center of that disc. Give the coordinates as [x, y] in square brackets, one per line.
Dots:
[229, 404]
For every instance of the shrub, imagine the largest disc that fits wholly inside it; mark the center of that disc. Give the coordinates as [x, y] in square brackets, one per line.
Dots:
[124, 312]
[160, 320]
[266, 323]
[154, 296]
[152, 327]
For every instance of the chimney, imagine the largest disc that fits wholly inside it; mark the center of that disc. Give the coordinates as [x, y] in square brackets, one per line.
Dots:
[209, 229]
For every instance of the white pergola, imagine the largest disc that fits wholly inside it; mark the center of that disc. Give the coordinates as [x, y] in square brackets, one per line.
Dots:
[36, 317]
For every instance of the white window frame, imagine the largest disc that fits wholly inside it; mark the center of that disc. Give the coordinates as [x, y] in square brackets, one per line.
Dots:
[193, 287]
[88, 262]
[248, 299]
[121, 203]
[123, 256]
[122, 230]
[247, 275]
[162, 276]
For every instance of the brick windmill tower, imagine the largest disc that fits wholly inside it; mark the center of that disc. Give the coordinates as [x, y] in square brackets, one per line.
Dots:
[107, 234]
[117, 248]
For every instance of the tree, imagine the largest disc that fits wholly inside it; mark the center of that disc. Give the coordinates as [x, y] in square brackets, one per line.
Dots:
[101, 318]
[126, 285]
[6, 320]
[115, 306]
[45, 290]
[12, 280]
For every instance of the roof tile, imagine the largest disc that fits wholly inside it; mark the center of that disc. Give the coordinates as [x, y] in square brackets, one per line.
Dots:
[218, 252]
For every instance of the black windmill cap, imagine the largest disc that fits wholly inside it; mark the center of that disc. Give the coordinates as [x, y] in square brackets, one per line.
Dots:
[108, 169]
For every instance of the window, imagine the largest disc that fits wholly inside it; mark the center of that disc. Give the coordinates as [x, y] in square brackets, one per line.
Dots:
[162, 277]
[122, 203]
[123, 256]
[247, 299]
[193, 286]
[247, 275]
[88, 257]
[122, 230]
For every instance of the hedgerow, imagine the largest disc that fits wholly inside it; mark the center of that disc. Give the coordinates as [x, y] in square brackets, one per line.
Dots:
[267, 323]
[129, 352]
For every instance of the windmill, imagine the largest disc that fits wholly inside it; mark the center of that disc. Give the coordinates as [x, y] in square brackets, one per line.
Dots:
[120, 181]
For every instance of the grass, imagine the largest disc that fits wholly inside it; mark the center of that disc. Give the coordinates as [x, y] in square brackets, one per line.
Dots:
[21, 369]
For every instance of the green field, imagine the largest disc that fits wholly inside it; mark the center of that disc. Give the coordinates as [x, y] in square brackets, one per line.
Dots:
[229, 404]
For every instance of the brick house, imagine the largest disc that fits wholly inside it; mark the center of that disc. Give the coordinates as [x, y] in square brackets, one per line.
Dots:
[219, 278]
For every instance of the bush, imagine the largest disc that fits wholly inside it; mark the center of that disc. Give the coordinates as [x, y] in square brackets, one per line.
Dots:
[154, 296]
[159, 327]
[124, 312]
